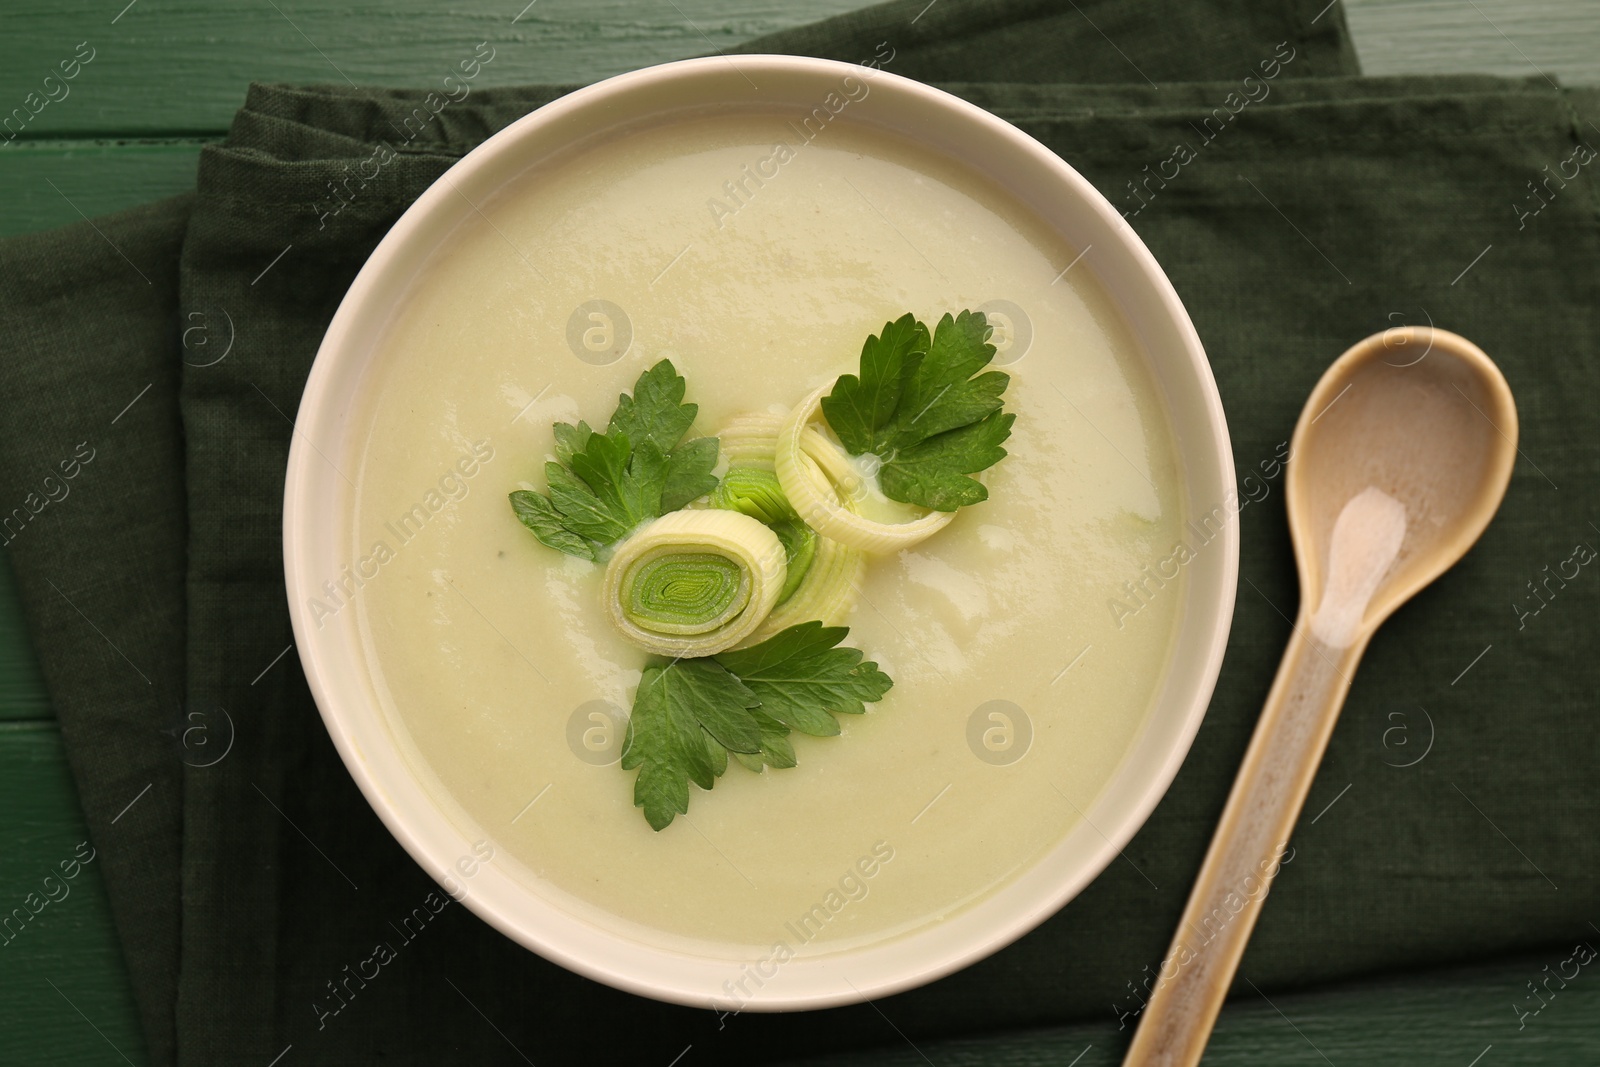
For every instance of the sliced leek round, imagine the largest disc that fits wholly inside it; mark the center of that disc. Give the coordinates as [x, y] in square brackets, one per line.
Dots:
[754, 491]
[825, 487]
[824, 575]
[693, 583]
[827, 592]
[749, 440]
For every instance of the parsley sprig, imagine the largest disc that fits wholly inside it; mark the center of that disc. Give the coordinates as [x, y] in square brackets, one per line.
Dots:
[603, 485]
[690, 714]
[917, 405]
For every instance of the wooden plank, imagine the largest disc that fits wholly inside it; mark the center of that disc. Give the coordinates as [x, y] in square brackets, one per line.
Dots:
[47, 181]
[180, 66]
[67, 998]
[104, 174]
[1513, 38]
[52, 183]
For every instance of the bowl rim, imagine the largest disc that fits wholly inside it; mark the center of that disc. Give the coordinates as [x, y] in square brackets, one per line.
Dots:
[617, 961]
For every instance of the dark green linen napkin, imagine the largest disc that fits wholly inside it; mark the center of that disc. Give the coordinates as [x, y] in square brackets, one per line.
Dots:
[1298, 227]
[91, 463]
[1410, 865]
[1089, 43]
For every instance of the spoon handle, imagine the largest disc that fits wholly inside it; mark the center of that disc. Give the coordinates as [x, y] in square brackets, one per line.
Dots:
[1250, 845]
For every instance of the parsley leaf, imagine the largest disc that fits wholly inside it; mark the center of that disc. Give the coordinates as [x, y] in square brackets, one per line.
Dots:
[917, 405]
[682, 713]
[691, 714]
[940, 393]
[603, 485]
[571, 439]
[800, 677]
[934, 473]
[776, 748]
[655, 410]
[540, 516]
[604, 467]
[719, 701]
[689, 474]
[959, 350]
[584, 513]
[860, 408]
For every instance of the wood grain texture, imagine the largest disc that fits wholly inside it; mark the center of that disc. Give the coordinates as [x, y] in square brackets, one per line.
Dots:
[1514, 38]
[180, 66]
[66, 992]
[184, 67]
[163, 67]
[53, 183]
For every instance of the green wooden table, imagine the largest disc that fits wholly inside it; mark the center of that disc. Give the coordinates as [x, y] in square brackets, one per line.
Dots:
[163, 78]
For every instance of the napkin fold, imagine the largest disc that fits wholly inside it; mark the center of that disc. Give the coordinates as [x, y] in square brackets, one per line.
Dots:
[1297, 208]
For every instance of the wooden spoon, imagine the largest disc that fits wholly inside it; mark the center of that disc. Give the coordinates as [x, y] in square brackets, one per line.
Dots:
[1399, 460]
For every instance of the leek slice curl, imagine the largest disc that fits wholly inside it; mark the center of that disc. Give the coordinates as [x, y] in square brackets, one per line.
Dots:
[826, 489]
[827, 589]
[756, 493]
[695, 583]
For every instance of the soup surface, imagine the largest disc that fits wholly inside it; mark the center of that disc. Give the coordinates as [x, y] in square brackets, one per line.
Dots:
[1022, 666]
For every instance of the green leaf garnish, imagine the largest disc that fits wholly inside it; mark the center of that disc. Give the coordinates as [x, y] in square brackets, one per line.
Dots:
[690, 714]
[603, 485]
[802, 680]
[571, 439]
[933, 473]
[861, 409]
[776, 749]
[917, 406]
[540, 516]
[656, 410]
[689, 474]
[582, 512]
[667, 740]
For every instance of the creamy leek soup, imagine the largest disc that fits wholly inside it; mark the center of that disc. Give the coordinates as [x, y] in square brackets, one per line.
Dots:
[1023, 664]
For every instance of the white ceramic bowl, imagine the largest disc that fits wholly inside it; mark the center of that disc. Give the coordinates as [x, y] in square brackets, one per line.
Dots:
[318, 511]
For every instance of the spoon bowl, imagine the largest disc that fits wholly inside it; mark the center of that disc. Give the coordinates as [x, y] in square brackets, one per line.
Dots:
[1399, 460]
[1422, 415]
